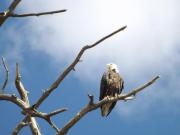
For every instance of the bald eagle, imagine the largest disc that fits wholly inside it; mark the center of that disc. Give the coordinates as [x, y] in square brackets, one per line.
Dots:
[111, 85]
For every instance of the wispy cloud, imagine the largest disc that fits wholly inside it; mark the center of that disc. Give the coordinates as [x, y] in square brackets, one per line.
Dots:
[149, 46]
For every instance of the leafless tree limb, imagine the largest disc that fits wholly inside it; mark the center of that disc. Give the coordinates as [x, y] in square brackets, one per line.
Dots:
[92, 106]
[53, 125]
[35, 113]
[72, 67]
[13, 5]
[49, 115]
[29, 112]
[35, 129]
[57, 112]
[21, 124]
[46, 116]
[9, 12]
[5, 14]
[20, 87]
[37, 14]
[23, 103]
[24, 96]
[14, 99]
[7, 74]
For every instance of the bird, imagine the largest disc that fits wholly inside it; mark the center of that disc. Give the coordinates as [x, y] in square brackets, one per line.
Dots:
[111, 85]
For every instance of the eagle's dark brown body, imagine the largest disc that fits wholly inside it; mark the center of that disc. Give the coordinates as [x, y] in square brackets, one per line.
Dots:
[111, 85]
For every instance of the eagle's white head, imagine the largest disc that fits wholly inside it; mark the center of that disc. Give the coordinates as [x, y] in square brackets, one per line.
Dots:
[112, 67]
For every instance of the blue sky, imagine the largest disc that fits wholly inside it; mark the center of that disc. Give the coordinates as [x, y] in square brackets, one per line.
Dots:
[45, 45]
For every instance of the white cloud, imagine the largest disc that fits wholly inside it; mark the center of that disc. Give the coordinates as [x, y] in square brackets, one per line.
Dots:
[148, 47]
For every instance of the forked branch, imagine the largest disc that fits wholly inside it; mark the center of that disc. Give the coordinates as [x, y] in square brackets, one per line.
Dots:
[4, 15]
[24, 96]
[9, 12]
[92, 106]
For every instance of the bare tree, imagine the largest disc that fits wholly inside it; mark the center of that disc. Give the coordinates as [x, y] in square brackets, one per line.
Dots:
[31, 111]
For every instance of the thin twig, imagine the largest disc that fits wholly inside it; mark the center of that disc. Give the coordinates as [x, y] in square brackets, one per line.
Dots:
[35, 113]
[57, 112]
[37, 14]
[71, 67]
[7, 74]
[91, 107]
[53, 125]
[9, 12]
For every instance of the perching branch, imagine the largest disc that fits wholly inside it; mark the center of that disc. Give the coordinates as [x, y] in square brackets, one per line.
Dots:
[72, 67]
[92, 106]
[7, 74]
[37, 14]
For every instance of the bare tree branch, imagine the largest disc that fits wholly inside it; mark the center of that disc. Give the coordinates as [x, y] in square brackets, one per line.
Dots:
[7, 75]
[13, 5]
[57, 112]
[49, 115]
[21, 124]
[72, 67]
[37, 14]
[22, 91]
[24, 96]
[35, 129]
[35, 113]
[14, 99]
[92, 106]
[5, 14]
[23, 105]
[31, 112]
